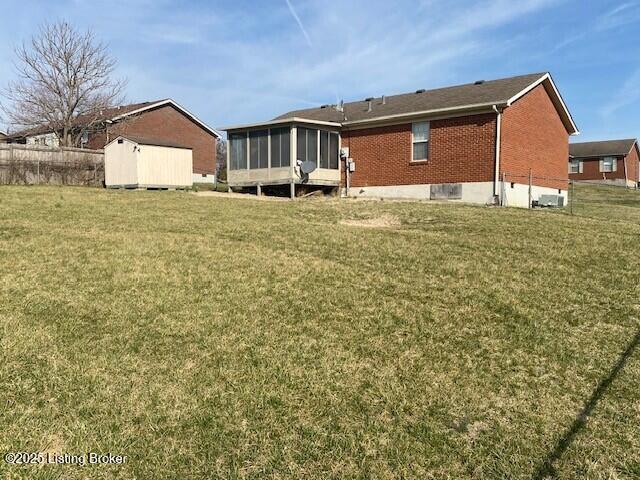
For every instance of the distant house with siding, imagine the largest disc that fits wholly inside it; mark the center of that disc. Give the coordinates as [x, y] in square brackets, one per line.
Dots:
[610, 162]
[162, 119]
[481, 142]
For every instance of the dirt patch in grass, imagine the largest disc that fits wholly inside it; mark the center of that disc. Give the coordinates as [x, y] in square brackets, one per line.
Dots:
[383, 221]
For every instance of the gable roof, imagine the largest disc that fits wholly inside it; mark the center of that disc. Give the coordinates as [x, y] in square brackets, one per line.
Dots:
[483, 94]
[160, 103]
[118, 113]
[601, 149]
[156, 142]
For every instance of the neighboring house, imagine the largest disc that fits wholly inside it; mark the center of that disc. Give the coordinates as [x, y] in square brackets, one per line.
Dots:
[162, 119]
[479, 143]
[612, 161]
[3, 137]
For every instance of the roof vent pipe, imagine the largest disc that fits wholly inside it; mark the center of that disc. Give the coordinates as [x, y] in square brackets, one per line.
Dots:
[384, 100]
[369, 106]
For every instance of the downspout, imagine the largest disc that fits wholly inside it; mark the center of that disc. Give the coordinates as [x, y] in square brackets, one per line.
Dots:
[496, 180]
[626, 176]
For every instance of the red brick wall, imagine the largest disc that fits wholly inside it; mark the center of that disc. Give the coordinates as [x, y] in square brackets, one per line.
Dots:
[166, 123]
[534, 137]
[633, 165]
[460, 150]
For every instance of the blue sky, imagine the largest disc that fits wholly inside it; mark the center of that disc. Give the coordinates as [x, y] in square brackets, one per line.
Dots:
[240, 61]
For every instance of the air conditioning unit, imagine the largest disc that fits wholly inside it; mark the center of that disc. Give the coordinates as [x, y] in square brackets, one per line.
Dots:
[552, 201]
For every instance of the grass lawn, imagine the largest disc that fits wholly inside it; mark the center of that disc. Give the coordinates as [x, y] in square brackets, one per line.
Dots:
[209, 337]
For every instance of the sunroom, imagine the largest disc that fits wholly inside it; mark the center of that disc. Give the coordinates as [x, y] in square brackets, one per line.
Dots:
[284, 152]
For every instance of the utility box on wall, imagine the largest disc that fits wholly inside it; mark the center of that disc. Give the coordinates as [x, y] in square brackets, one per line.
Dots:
[133, 162]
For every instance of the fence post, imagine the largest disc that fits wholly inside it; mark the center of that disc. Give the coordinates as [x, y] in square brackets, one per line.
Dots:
[573, 196]
[530, 182]
[38, 180]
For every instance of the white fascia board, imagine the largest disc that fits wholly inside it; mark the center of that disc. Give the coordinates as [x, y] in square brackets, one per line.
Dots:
[178, 107]
[547, 78]
[280, 122]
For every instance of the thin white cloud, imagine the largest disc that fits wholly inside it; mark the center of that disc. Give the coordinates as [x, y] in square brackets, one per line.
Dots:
[233, 65]
[627, 95]
[624, 14]
[297, 18]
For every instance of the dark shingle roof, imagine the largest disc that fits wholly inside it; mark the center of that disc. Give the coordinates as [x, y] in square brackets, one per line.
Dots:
[601, 149]
[82, 120]
[154, 142]
[494, 91]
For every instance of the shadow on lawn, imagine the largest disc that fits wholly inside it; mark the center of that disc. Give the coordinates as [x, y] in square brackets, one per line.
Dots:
[547, 469]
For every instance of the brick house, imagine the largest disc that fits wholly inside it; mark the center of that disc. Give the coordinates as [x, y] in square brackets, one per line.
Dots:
[613, 162]
[162, 120]
[481, 143]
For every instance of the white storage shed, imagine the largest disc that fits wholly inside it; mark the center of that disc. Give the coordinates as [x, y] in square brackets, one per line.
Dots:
[134, 162]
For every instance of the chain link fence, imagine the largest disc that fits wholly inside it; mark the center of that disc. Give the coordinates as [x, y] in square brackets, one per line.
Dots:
[604, 201]
[583, 198]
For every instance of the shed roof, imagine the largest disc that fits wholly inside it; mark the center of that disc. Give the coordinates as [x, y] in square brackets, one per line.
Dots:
[152, 142]
[602, 148]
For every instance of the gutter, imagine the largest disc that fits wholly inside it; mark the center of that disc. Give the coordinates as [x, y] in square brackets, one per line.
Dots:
[496, 179]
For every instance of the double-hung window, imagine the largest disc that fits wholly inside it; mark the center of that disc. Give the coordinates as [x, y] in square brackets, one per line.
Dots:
[420, 139]
[575, 166]
[608, 164]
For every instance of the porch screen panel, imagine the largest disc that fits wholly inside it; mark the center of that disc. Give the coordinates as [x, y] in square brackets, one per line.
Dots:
[258, 149]
[301, 151]
[333, 151]
[238, 150]
[285, 147]
[312, 146]
[324, 149]
[307, 145]
[280, 147]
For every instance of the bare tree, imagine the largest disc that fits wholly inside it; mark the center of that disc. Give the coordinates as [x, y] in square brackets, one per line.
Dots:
[221, 159]
[64, 81]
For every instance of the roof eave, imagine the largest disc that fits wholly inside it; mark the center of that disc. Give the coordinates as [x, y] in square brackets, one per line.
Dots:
[281, 121]
[427, 113]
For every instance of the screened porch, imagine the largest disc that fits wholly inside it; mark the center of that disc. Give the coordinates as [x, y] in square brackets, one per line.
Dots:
[271, 154]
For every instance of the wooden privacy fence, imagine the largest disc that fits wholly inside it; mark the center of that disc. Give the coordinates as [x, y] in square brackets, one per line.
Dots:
[31, 165]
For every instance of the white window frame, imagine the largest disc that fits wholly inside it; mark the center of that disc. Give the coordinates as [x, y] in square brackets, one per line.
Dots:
[612, 160]
[413, 141]
[577, 164]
